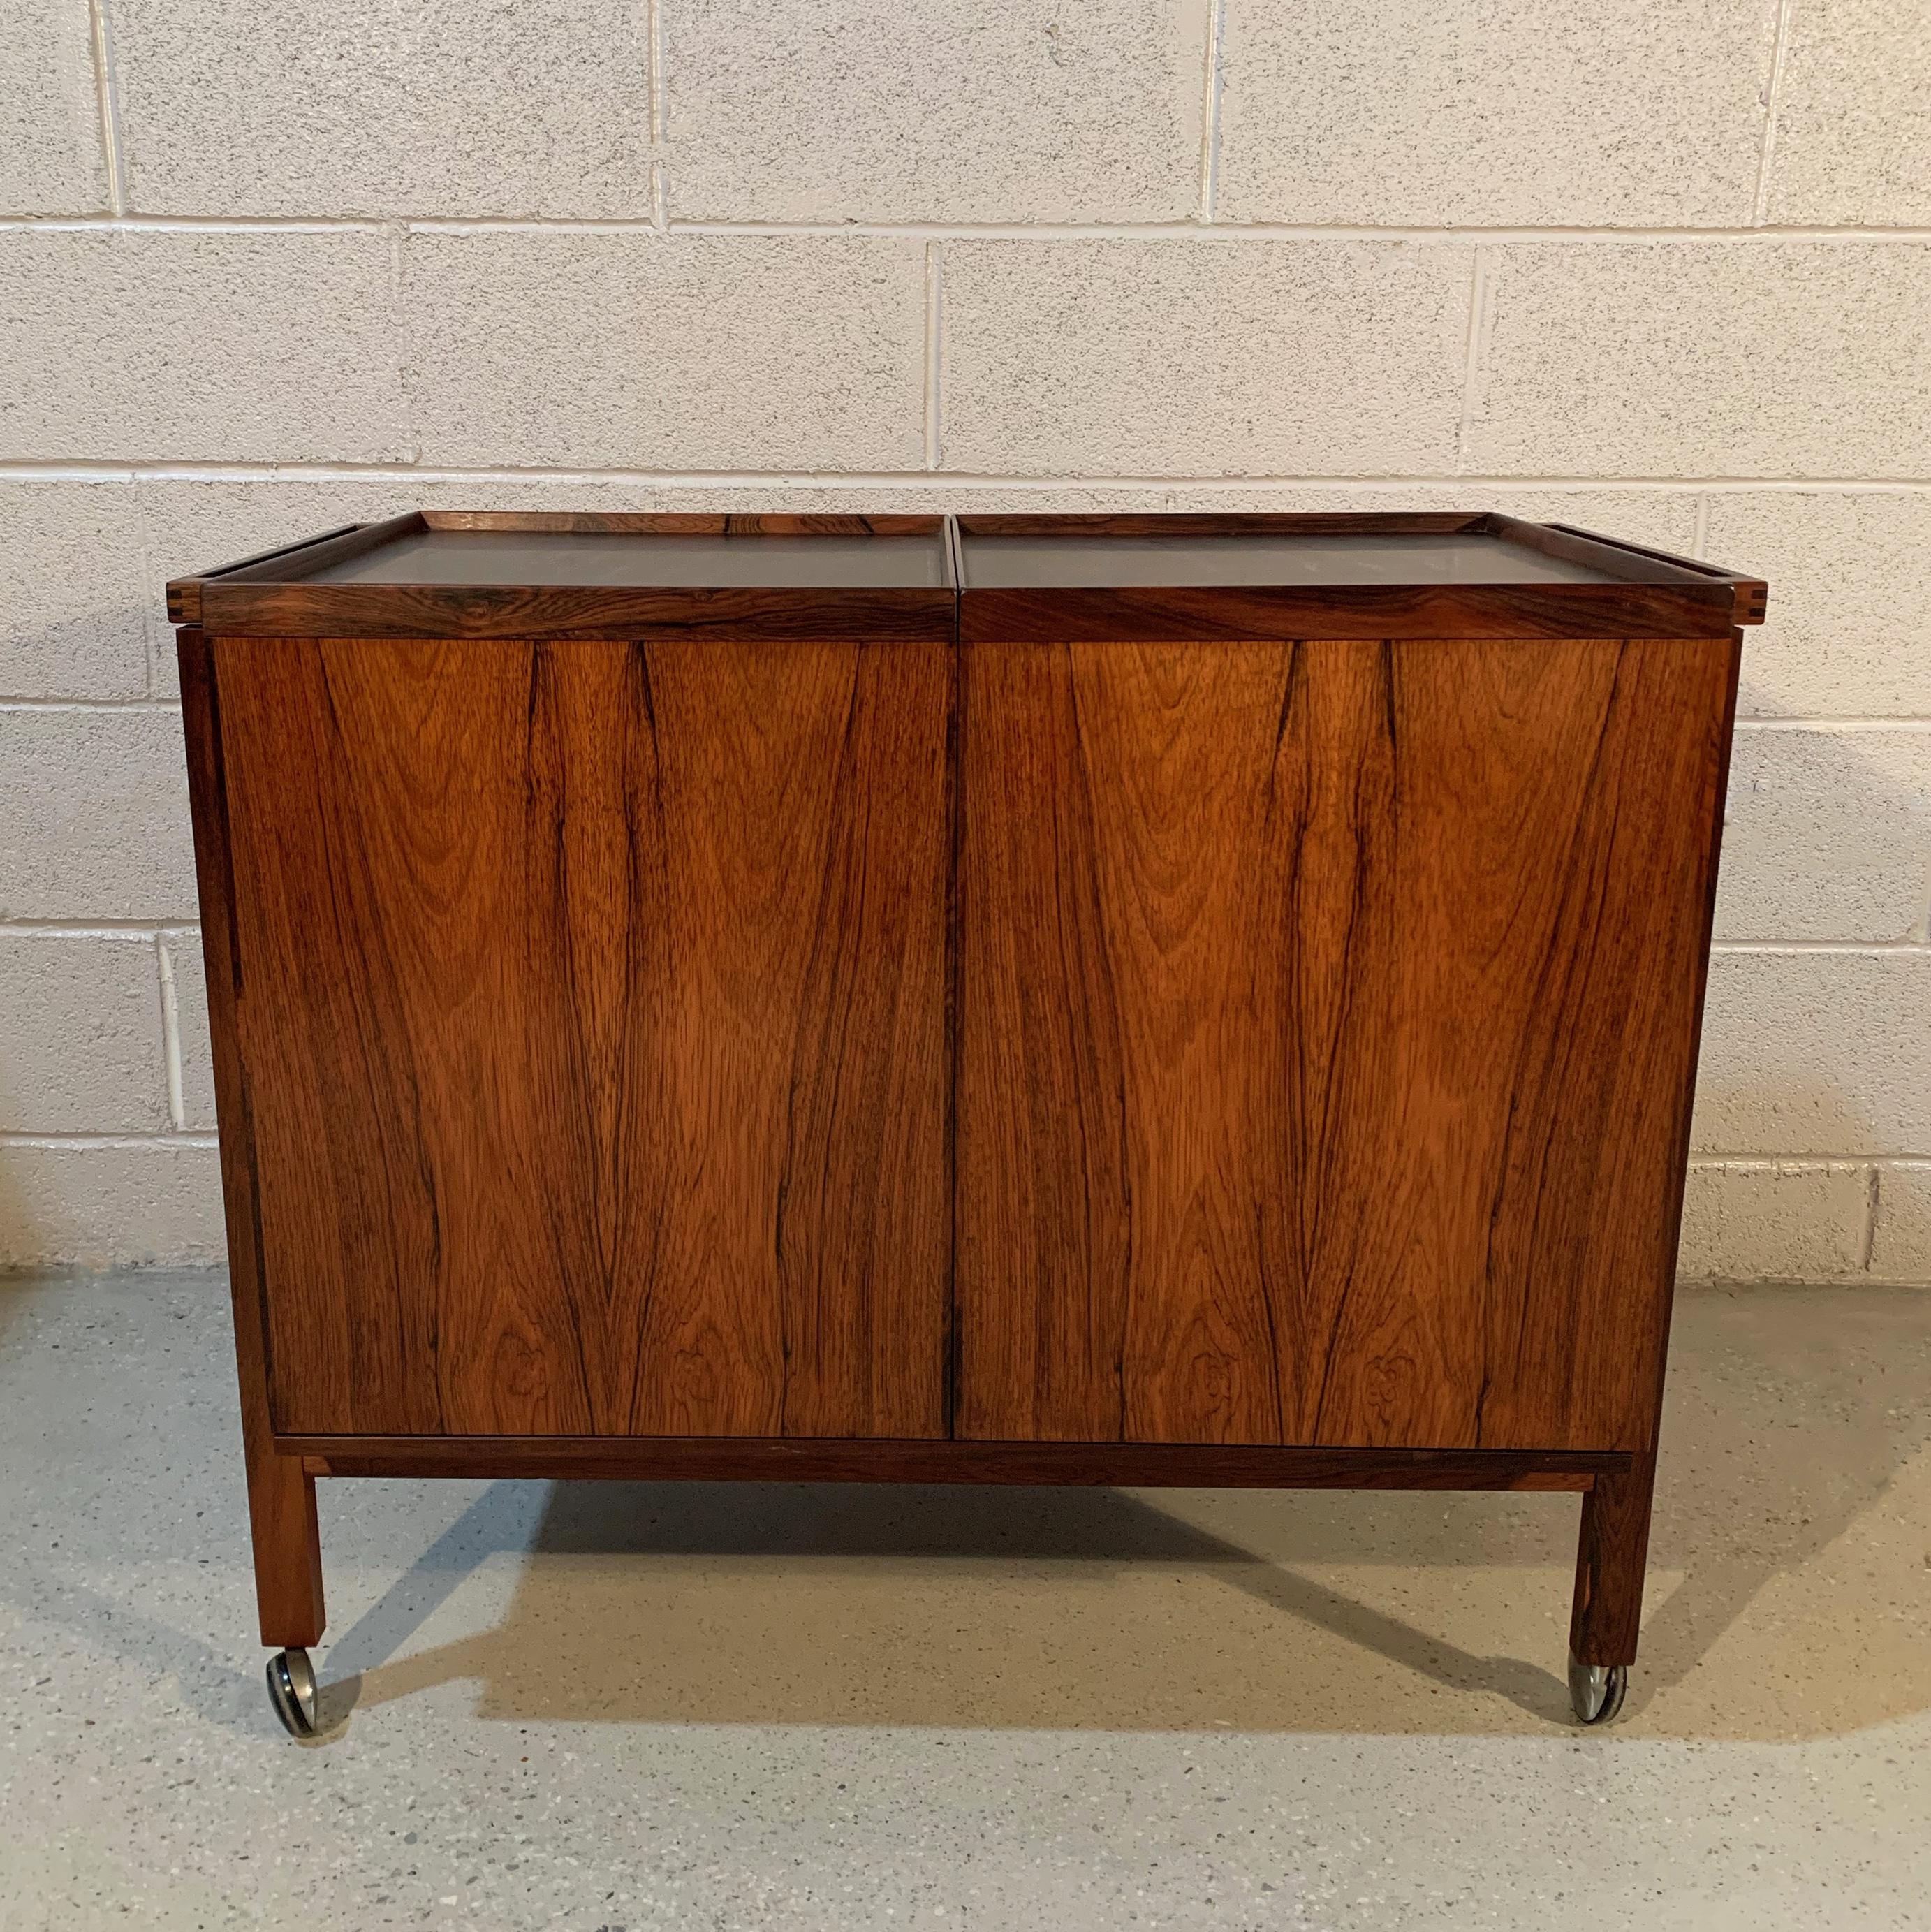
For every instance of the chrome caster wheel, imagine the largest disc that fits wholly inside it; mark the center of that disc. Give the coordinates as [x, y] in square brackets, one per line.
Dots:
[292, 1691]
[1596, 1690]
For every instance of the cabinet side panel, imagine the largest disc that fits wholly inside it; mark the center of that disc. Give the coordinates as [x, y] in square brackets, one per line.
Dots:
[281, 1496]
[209, 804]
[1488, 1157]
[1588, 1209]
[1328, 1014]
[593, 1002]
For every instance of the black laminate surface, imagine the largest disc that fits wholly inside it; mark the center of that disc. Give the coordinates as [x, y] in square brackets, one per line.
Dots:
[546, 557]
[1101, 559]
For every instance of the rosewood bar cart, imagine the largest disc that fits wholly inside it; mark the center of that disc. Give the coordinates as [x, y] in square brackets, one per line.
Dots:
[1172, 999]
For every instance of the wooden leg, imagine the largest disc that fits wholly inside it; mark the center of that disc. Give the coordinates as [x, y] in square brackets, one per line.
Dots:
[1610, 1560]
[288, 1552]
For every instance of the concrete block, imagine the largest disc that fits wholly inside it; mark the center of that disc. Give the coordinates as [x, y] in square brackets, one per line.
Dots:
[172, 346]
[1901, 1239]
[1705, 358]
[385, 107]
[1815, 1054]
[1763, 1220]
[1853, 143]
[185, 987]
[1827, 835]
[80, 1052]
[1626, 113]
[74, 588]
[1849, 633]
[94, 816]
[1040, 110]
[690, 351]
[148, 1204]
[50, 152]
[1212, 357]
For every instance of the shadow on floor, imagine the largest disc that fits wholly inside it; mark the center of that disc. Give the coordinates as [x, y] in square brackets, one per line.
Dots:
[1787, 1584]
[1054, 1608]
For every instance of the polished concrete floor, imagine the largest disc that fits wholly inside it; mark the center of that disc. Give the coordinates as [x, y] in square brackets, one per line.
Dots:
[632, 1705]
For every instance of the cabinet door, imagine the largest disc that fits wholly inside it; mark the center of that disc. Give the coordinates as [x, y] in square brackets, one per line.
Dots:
[1327, 1022]
[591, 1013]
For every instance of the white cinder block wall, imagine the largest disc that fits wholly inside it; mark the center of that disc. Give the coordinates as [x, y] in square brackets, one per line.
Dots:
[267, 266]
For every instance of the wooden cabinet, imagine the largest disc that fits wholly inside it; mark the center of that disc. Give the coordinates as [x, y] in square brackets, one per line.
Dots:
[592, 999]
[1193, 1000]
[1323, 1040]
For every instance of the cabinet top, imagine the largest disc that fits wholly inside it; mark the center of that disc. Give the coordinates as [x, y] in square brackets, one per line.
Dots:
[1400, 574]
[572, 558]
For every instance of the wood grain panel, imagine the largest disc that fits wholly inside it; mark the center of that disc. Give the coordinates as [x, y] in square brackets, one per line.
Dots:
[736, 614]
[284, 1531]
[1611, 1560]
[1328, 1014]
[1368, 613]
[591, 1002]
[822, 1459]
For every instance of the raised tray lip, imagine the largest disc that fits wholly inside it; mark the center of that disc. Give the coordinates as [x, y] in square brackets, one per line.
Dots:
[273, 593]
[1644, 591]
[1615, 557]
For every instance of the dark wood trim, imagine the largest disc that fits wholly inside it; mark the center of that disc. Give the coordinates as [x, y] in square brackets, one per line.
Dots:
[278, 566]
[651, 522]
[184, 593]
[1142, 523]
[281, 1492]
[954, 989]
[807, 1460]
[743, 615]
[739, 615]
[273, 594]
[1636, 561]
[1612, 1559]
[1653, 594]
[1686, 1099]
[1128, 614]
